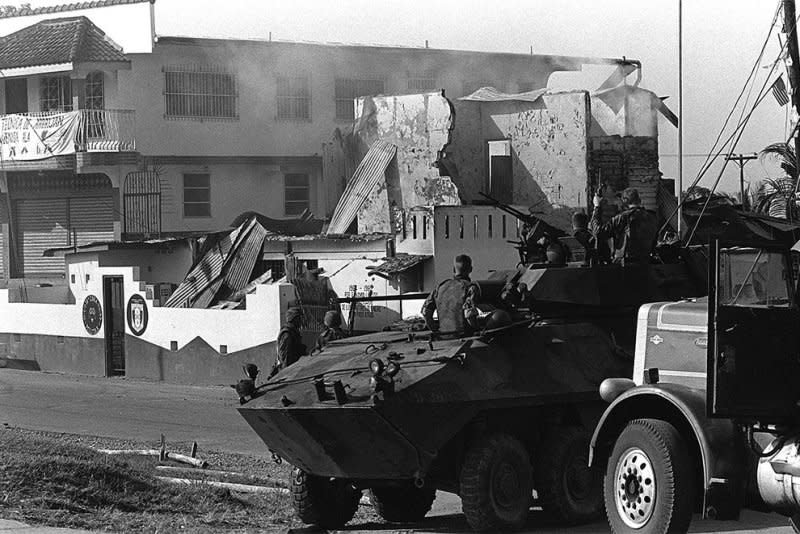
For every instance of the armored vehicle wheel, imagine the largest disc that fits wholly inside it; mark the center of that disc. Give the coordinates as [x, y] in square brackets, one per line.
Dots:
[401, 505]
[322, 501]
[648, 483]
[568, 489]
[496, 484]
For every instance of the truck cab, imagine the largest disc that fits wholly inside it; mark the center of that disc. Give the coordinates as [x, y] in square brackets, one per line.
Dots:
[714, 379]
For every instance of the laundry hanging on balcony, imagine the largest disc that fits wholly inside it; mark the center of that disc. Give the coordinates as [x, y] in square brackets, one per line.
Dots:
[34, 136]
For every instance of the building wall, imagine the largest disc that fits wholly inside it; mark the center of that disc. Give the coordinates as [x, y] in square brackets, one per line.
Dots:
[549, 150]
[194, 346]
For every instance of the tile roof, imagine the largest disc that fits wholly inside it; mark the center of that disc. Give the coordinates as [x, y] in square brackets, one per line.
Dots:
[48, 10]
[56, 41]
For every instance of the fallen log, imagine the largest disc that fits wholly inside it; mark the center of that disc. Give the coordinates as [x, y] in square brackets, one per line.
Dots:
[131, 452]
[214, 472]
[243, 488]
[197, 462]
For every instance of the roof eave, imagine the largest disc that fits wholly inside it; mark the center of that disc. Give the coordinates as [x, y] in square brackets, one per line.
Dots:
[32, 70]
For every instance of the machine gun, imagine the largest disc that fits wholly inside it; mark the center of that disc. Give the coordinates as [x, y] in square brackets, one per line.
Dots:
[535, 230]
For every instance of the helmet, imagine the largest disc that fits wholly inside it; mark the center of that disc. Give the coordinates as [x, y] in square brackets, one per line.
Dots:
[499, 318]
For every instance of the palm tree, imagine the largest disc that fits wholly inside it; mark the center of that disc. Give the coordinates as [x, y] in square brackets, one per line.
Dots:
[777, 197]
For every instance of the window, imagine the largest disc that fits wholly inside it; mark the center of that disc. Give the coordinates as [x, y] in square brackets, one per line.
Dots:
[297, 194]
[421, 82]
[94, 91]
[753, 277]
[200, 93]
[294, 98]
[197, 195]
[55, 93]
[348, 90]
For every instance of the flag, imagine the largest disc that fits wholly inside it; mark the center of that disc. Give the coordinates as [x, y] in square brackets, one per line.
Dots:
[779, 91]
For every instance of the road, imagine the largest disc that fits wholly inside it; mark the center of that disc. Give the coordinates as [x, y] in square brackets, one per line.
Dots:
[140, 410]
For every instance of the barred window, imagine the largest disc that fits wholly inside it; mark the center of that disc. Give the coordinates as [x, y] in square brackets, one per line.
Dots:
[197, 195]
[422, 82]
[297, 194]
[55, 93]
[294, 98]
[347, 90]
[200, 93]
[94, 91]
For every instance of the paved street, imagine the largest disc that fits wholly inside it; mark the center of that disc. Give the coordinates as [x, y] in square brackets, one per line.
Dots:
[129, 409]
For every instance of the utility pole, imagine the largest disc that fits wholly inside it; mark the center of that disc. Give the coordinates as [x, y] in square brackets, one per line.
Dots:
[680, 119]
[741, 160]
[790, 28]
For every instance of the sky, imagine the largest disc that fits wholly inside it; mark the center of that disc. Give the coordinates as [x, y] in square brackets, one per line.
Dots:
[721, 41]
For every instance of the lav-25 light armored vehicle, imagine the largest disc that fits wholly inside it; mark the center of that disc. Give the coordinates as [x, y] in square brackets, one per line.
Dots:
[490, 417]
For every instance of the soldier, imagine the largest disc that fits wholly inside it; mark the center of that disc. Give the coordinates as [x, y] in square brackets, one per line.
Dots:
[453, 299]
[333, 330]
[634, 229]
[290, 344]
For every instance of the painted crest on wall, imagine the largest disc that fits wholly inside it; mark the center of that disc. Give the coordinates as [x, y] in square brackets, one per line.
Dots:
[137, 314]
[92, 314]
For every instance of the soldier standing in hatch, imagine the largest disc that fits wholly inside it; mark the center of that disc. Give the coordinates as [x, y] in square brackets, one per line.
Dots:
[333, 330]
[634, 230]
[290, 344]
[453, 299]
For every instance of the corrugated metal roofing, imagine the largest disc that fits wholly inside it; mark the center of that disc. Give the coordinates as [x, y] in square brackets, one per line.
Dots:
[58, 41]
[490, 94]
[401, 262]
[366, 176]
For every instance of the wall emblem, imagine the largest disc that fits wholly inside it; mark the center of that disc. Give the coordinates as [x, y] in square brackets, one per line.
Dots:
[137, 314]
[656, 339]
[92, 314]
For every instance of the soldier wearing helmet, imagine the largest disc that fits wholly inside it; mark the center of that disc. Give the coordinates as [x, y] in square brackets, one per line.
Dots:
[633, 230]
[290, 344]
[453, 300]
[333, 329]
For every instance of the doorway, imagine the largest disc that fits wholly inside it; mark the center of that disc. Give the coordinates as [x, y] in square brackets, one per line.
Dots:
[501, 177]
[16, 95]
[114, 310]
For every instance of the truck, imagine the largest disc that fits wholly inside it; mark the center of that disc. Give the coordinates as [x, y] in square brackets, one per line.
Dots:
[709, 420]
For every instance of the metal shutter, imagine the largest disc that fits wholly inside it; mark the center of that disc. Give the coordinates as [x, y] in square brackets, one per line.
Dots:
[91, 219]
[41, 224]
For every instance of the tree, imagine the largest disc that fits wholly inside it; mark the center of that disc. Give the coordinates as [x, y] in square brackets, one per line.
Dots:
[777, 197]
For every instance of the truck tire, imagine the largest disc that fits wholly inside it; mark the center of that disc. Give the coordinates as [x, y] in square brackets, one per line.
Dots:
[648, 483]
[402, 505]
[568, 488]
[322, 501]
[496, 484]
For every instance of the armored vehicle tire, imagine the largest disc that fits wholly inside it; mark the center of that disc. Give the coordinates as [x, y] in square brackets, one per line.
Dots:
[322, 501]
[496, 484]
[402, 505]
[648, 483]
[568, 488]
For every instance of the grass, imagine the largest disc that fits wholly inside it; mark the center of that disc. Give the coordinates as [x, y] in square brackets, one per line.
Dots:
[47, 481]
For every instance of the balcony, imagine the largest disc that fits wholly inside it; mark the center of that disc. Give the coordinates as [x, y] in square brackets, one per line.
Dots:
[37, 138]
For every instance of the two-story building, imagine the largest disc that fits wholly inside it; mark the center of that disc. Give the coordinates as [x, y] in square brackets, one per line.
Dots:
[112, 131]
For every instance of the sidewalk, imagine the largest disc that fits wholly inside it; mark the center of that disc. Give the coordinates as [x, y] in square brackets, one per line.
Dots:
[15, 527]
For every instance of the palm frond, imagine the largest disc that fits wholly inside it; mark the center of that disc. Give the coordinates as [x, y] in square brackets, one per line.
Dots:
[783, 154]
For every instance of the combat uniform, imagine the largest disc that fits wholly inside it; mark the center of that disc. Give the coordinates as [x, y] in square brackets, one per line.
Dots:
[330, 334]
[290, 348]
[452, 300]
[634, 232]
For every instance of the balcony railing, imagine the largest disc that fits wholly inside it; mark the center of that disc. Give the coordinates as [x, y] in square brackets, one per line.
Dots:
[105, 130]
[32, 136]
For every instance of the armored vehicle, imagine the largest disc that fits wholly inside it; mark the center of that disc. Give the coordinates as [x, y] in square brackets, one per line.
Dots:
[709, 420]
[492, 416]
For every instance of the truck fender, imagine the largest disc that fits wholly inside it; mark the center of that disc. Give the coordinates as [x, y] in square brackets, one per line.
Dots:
[715, 444]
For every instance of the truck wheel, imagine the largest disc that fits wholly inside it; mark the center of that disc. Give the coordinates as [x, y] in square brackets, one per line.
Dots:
[495, 484]
[402, 505]
[648, 483]
[329, 503]
[568, 488]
